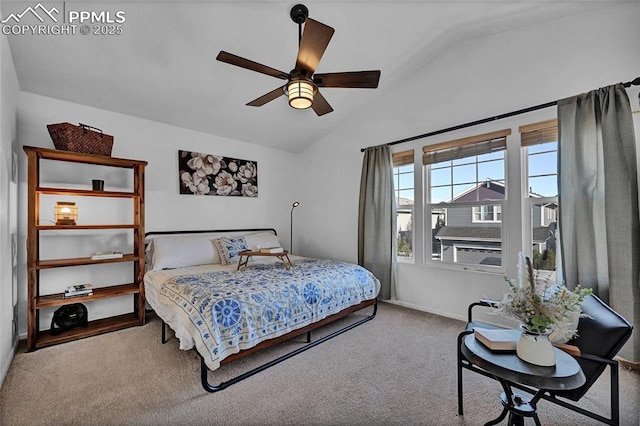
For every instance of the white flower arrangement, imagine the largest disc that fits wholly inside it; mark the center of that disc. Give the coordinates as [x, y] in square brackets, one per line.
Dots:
[539, 307]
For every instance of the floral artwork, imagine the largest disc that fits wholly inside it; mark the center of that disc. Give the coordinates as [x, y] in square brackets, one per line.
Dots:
[208, 174]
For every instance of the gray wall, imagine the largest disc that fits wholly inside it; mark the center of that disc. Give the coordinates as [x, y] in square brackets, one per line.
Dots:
[8, 206]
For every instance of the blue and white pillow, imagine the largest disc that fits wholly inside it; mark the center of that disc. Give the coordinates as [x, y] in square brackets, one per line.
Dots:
[229, 247]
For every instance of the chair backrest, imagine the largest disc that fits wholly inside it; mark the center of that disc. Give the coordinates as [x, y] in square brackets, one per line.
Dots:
[602, 332]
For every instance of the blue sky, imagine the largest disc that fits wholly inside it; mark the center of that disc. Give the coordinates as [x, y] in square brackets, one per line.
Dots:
[453, 177]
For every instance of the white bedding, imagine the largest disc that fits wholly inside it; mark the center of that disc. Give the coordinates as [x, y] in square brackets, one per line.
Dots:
[153, 281]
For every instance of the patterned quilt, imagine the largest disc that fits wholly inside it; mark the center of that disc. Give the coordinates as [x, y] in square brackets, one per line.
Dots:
[233, 310]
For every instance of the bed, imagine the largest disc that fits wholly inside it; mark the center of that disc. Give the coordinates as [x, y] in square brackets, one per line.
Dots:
[194, 285]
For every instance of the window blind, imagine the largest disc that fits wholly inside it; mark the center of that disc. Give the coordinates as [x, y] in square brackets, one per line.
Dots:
[537, 133]
[402, 158]
[465, 147]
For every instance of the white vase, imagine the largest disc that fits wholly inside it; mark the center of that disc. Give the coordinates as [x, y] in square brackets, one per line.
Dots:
[535, 348]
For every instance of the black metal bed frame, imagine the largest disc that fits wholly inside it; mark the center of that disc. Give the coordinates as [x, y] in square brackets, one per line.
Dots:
[204, 370]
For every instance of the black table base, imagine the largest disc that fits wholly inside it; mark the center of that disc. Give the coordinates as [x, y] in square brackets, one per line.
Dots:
[517, 405]
[511, 372]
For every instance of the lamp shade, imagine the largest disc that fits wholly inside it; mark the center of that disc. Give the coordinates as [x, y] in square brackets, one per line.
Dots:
[300, 93]
[66, 213]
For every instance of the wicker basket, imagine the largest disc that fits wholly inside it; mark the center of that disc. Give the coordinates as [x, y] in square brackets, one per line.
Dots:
[80, 138]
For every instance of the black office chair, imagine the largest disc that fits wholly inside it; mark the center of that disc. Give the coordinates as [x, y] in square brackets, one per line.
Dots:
[601, 334]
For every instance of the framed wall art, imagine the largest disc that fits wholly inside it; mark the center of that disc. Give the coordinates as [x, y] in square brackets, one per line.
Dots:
[209, 174]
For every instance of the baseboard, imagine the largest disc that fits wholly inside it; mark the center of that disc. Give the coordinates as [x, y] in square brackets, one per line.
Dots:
[430, 311]
[629, 365]
[4, 368]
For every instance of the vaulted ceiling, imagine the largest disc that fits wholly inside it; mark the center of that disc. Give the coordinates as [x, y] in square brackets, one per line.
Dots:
[163, 67]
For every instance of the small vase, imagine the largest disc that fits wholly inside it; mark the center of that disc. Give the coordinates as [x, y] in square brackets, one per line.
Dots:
[535, 348]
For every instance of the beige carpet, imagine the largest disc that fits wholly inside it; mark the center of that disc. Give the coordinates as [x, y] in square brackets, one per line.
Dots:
[398, 369]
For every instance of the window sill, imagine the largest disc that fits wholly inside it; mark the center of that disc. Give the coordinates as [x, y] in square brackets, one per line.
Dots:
[493, 270]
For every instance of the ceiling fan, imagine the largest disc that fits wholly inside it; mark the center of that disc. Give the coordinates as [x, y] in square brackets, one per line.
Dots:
[302, 84]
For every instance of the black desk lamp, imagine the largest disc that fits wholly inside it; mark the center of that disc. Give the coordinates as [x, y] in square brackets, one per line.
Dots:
[293, 206]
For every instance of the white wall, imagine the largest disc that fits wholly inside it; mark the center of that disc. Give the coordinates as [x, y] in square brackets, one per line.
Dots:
[166, 209]
[8, 207]
[473, 80]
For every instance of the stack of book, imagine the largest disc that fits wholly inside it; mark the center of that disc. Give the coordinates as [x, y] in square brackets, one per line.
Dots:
[102, 255]
[78, 290]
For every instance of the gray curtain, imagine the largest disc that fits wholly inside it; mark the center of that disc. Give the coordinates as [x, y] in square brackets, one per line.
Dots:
[377, 219]
[598, 193]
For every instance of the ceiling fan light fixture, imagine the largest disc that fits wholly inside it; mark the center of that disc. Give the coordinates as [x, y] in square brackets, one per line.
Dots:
[300, 93]
[302, 87]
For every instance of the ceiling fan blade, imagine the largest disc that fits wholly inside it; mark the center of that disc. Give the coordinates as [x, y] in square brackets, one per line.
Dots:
[275, 93]
[320, 105]
[353, 79]
[232, 59]
[315, 39]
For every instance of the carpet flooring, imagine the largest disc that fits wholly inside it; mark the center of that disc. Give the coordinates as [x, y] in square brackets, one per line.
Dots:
[398, 369]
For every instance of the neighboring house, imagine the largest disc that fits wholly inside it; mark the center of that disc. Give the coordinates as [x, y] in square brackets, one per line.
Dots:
[473, 234]
[404, 210]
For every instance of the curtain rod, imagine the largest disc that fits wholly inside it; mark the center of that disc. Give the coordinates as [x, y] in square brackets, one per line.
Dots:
[635, 82]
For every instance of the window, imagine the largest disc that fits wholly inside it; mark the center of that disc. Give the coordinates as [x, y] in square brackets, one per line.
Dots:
[486, 214]
[465, 198]
[540, 148]
[404, 194]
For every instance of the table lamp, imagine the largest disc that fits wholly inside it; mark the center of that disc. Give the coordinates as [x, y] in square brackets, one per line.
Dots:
[66, 213]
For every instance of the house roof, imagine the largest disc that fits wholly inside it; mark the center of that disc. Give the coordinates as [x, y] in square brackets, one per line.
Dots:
[402, 201]
[486, 190]
[469, 233]
[483, 233]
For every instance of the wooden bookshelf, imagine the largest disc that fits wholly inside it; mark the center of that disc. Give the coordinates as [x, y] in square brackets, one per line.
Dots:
[100, 326]
[37, 338]
[78, 227]
[79, 261]
[58, 299]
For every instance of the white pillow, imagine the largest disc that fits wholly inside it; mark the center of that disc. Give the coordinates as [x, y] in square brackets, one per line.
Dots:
[170, 252]
[262, 239]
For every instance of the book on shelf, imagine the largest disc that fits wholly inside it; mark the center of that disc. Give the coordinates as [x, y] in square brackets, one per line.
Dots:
[271, 250]
[73, 296]
[101, 255]
[78, 290]
[498, 339]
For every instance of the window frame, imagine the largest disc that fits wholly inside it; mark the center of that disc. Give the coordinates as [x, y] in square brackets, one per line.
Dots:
[399, 160]
[533, 135]
[464, 145]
